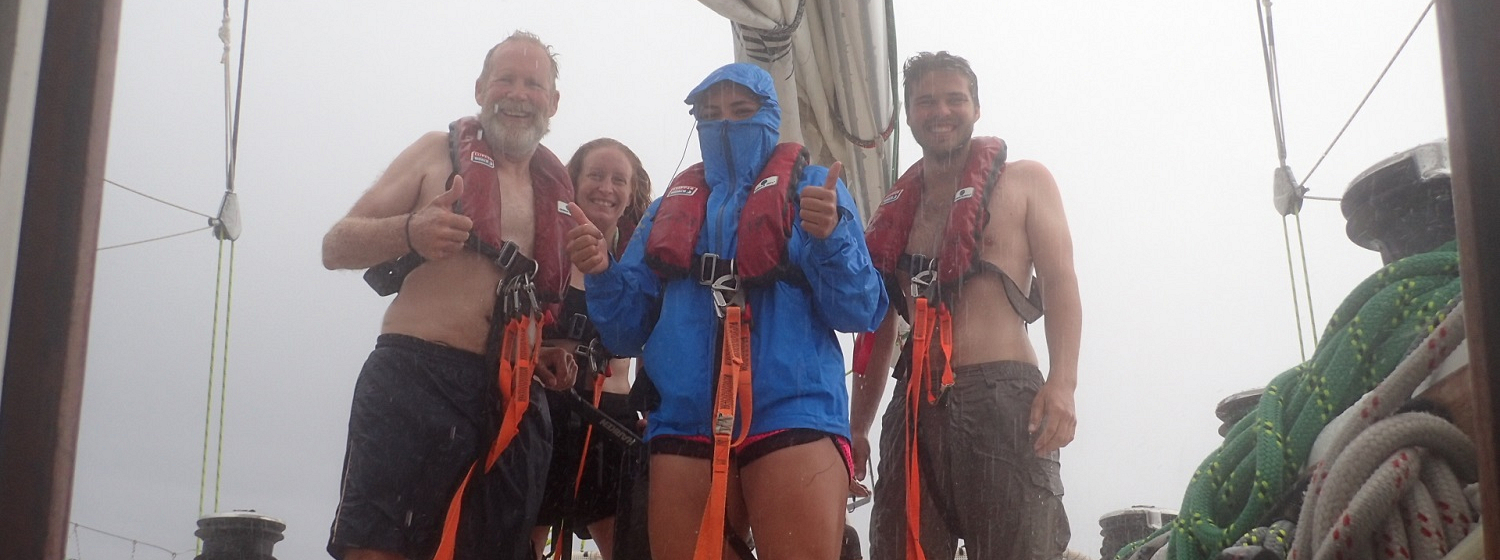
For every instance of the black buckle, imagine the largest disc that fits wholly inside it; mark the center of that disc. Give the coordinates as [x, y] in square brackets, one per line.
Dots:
[716, 272]
[577, 327]
[513, 262]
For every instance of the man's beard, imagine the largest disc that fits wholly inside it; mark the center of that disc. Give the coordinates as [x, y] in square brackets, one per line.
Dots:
[513, 141]
[950, 155]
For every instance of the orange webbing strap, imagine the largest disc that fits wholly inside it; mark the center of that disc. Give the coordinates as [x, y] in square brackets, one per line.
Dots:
[519, 347]
[588, 434]
[945, 342]
[923, 320]
[746, 394]
[733, 377]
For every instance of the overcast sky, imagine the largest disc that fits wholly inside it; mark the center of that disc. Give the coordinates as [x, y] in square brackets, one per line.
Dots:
[1153, 116]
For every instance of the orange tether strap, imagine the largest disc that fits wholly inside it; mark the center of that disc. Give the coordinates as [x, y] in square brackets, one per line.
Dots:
[733, 388]
[519, 347]
[925, 319]
[588, 434]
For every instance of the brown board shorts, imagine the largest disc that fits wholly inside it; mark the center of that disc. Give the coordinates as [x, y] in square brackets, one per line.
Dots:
[981, 481]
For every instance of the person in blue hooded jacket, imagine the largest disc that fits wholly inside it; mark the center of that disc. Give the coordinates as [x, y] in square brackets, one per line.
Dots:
[789, 477]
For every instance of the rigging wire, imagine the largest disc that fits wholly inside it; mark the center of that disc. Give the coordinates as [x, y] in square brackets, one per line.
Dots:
[221, 287]
[134, 543]
[1292, 272]
[1312, 316]
[1273, 86]
[1273, 89]
[1273, 75]
[208, 403]
[182, 208]
[179, 234]
[223, 377]
[1362, 101]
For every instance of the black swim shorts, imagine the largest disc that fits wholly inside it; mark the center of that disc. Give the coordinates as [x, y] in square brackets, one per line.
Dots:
[422, 414]
[598, 494]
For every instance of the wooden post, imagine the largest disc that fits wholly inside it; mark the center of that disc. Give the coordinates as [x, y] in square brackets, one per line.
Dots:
[1471, 78]
[43, 382]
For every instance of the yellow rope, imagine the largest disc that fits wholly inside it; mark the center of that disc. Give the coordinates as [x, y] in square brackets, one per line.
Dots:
[224, 376]
[213, 347]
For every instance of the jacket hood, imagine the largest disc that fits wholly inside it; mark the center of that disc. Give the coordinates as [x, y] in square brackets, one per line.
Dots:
[735, 151]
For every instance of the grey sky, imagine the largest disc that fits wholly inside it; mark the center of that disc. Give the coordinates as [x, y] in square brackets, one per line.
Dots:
[1152, 116]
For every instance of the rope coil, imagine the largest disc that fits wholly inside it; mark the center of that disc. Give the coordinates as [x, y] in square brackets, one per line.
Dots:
[1242, 485]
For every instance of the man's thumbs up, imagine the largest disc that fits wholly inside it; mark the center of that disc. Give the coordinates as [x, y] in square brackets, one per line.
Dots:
[820, 205]
[435, 231]
[586, 246]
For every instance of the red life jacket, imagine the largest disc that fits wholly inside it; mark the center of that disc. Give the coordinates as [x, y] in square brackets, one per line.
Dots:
[552, 190]
[765, 224]
[959, 258]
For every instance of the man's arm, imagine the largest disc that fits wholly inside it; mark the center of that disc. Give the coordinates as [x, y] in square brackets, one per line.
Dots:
[869, 386]
[385, 222]
[1053, 416]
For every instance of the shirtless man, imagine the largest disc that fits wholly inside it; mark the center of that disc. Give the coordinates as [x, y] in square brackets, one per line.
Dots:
[427, 407]
[988, 444]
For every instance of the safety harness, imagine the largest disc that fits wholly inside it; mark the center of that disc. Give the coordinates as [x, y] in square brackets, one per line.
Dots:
[933, 284]
[593, 367]
[523, 298]
[765, 228]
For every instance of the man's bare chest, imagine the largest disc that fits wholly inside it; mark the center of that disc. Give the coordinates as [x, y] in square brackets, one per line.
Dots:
[517, 214]
[928, 227]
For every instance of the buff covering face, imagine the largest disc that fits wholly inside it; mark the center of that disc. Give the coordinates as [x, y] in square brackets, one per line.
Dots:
[735, 150]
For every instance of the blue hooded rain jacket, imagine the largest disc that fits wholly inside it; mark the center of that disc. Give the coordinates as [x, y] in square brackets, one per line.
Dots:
[797, 364]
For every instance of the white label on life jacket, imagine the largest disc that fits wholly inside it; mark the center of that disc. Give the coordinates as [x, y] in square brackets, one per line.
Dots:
[963, 193]
[562, 208]
[482, 159]
[681, 191]
[764, 183]
[891, 197]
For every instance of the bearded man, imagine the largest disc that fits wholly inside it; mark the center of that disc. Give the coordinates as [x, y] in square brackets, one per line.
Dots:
[449, 438]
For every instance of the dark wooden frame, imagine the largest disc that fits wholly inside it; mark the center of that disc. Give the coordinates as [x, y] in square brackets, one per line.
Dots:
[1471, 80]
[44, 361]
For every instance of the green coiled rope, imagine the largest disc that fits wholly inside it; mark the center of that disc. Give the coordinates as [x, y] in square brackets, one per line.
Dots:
[1237, 487]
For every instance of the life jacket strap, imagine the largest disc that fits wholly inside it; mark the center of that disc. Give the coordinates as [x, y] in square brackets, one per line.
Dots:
[928, 319]
[1028, 306]
[921, 366]
[520, 343]
[588, 436]
[733, 391]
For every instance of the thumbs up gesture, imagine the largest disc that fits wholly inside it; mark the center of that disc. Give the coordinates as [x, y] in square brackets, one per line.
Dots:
[586, 245]
[820, 205]
[435, 231]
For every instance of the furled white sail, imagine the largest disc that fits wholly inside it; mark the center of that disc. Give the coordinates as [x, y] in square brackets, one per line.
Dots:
[834, 72]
